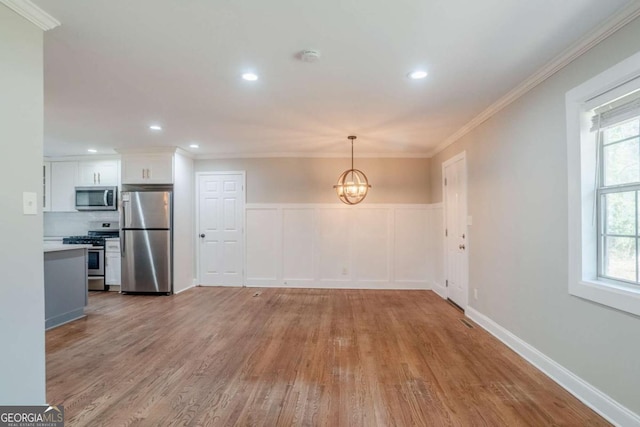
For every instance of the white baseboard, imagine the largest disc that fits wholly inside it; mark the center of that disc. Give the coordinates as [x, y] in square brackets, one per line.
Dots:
[604, 405]
[337, 284]
[185, 289]
[439, 289]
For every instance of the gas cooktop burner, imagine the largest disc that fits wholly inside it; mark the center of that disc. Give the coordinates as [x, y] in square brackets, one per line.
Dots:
[84, 240]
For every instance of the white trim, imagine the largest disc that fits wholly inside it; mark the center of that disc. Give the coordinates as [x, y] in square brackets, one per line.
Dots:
[185, 289]
[147, 150]
[604, 405]
[82, 158]
[612, 25]
[582, 232]
[338, 205]
[340, 284]
[439, 289]
[214, 156]
[32, 13]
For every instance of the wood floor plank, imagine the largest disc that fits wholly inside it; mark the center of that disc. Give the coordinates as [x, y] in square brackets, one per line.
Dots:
[293, 357]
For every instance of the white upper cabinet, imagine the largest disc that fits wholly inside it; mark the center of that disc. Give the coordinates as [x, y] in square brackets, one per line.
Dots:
[64, 178]
[98, 173]
[154, 168]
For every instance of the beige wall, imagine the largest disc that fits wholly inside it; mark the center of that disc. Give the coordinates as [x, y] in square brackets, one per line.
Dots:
[517, 181]
[311, 180]
[22, 363]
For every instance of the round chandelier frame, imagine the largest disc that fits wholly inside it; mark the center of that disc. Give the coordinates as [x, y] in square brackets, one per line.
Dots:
[353, 185]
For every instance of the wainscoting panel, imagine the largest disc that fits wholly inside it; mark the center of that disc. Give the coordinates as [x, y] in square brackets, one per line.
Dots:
[412, 258]
[263, 248]
[333, 246]
[373, 244]
[298, 251]
[333, 240]
[436, 225]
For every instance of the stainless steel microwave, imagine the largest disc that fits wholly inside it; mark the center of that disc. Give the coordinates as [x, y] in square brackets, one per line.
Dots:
[96, 198]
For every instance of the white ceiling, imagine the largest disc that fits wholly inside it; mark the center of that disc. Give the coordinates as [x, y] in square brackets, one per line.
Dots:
[116, 66]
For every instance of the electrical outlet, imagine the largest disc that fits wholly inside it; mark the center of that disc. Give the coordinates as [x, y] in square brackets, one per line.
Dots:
[475, 293]
[345, 271]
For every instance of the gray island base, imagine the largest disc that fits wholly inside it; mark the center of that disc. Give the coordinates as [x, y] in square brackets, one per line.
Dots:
[65, 283]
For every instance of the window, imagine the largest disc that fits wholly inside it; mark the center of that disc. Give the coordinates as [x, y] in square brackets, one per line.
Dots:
[603, 162]
[618, 193]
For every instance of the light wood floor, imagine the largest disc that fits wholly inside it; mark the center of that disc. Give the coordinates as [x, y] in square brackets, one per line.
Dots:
[224, 357]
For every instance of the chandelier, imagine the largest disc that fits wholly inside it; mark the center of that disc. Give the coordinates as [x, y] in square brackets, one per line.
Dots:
[353, 185]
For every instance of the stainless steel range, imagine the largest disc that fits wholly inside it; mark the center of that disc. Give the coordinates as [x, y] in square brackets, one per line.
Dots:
[95, 255]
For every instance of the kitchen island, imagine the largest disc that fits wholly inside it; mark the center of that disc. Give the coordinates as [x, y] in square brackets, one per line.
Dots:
[65, 283]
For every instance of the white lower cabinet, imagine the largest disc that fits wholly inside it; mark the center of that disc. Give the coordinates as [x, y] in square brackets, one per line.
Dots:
[112, 262]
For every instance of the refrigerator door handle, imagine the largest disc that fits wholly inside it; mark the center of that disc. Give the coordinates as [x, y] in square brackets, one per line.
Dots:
[122, 233]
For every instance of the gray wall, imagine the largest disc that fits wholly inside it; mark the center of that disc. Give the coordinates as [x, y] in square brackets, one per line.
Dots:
[517, 165]
[22, 363]
[311, 180]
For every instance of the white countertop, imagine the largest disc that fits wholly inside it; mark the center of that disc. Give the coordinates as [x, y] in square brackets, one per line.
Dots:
[53, 247]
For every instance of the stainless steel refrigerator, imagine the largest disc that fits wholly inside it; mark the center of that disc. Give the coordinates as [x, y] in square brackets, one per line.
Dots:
[146, 241]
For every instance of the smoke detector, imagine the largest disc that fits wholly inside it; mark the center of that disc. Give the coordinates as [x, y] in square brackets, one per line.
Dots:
[309, 55]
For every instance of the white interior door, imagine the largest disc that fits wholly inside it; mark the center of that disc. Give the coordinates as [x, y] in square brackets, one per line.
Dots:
[455, 216]
[221, 200]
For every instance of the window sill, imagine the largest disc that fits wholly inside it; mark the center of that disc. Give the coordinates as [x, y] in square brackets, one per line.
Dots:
[620, 297]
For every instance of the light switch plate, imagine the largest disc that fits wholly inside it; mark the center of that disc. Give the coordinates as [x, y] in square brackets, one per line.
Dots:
[469, 220]
[29, 203]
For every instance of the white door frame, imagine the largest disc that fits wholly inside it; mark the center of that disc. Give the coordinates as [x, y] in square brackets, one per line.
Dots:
[460, 156]
[197, 221]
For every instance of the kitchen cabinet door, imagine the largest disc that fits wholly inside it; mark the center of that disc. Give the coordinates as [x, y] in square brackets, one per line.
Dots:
[147, 168]
[112, 270]
[98, 173]
[64, 176]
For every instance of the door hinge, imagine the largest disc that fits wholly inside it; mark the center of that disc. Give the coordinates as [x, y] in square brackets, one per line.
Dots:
[446, 232]
[447, 283]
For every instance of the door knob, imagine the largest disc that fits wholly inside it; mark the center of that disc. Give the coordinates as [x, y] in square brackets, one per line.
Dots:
[202, 236]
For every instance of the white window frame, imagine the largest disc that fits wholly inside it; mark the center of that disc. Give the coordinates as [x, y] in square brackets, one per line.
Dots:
[584, 282]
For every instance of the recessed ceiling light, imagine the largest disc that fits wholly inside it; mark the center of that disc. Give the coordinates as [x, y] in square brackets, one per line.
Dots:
[155, 127]
[250, 77]
[418, 74]
[92, 150]
[194, 145]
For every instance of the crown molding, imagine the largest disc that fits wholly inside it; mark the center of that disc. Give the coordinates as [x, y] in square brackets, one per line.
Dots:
[215, 156]
[33, 13]
[145, 150]
[612, 25]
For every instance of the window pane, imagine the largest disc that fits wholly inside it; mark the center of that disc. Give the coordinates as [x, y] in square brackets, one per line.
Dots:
[621, 164]
[620, 213]
[620, 258]
[625, 130]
